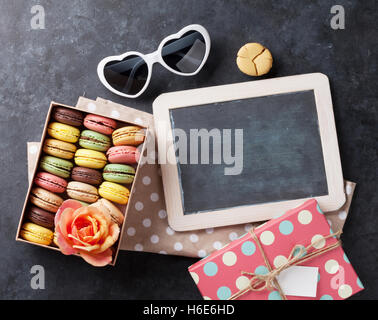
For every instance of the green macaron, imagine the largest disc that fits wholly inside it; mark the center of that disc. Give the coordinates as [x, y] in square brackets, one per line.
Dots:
[119, 173]
[59, 167]
[95, 141]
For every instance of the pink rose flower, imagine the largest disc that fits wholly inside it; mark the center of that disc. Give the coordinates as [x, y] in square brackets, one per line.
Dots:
[86, 231]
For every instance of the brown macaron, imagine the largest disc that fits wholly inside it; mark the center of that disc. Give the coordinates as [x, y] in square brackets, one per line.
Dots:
[86, 175]
[41, 217]
[68, 116]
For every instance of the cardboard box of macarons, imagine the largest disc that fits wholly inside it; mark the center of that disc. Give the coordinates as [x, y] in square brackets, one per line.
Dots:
[82, 183]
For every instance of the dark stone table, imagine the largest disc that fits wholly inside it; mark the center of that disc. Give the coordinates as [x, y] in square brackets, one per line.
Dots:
[59, 63]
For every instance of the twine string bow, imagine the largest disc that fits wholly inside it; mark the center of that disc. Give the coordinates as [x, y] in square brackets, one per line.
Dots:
[298, 255]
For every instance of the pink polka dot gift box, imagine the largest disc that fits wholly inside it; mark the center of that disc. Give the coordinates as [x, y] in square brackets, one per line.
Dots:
[296, 256]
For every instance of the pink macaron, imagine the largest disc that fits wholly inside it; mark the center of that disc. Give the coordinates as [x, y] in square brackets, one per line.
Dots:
[100, 124]
[123, 154]
[50, 182]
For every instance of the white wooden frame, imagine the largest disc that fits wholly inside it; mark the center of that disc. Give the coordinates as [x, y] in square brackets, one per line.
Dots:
[258, 212]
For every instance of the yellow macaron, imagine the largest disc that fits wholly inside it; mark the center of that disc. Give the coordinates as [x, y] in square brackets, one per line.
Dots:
[90, 159]
[60, 149]
[63, 132]
[114, 192]
[131, 135]
[36, 234]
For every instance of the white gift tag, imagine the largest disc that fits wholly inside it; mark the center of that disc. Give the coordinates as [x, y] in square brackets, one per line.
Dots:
[299, 281]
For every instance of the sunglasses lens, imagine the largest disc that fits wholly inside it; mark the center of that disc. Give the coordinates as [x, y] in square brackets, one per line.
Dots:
[185, 54]
[127, 76]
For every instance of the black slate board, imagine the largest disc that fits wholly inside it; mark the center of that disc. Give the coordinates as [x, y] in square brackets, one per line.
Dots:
[282, 153]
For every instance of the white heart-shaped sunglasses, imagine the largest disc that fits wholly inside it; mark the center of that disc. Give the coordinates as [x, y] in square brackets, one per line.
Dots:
[183, 53]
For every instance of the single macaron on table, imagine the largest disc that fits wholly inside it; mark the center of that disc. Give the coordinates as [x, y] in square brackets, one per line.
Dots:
[86, 167]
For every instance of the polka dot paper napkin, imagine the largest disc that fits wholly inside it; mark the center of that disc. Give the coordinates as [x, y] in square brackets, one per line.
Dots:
[227, 273]
[147, 226]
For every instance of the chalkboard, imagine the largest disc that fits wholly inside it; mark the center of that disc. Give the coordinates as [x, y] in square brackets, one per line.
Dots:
[282, 152]
[283, 128]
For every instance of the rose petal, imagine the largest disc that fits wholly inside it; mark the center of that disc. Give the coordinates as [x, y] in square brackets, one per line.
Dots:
[86, 232]
[87, 249]
[93, 239]
[65, 221]
[89, 216]
[103, 223]
[98, 260]
[111, 239]
[73, 204]
[77, 242]
[64, 246]
[94, 223]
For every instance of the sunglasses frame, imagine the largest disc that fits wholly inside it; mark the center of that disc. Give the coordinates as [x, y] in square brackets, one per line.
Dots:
[155, 57]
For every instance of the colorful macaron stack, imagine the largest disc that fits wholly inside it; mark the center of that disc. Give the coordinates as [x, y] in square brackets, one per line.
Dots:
[80, 152]
[122, 156]
[50, 183]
